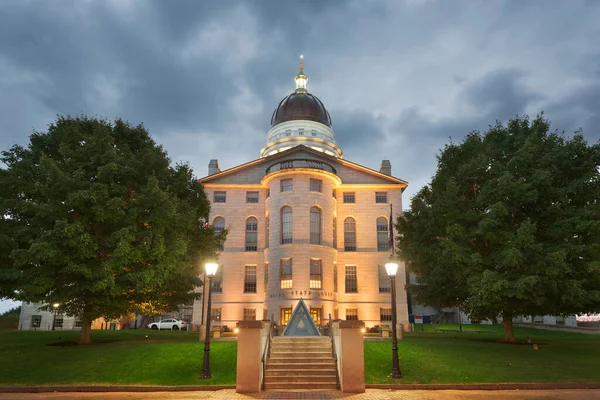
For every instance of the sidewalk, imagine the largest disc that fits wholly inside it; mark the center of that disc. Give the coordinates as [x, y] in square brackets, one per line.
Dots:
[370, 394]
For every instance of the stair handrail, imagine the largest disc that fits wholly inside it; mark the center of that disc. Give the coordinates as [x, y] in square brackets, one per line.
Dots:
[333, 353]
[266, 352]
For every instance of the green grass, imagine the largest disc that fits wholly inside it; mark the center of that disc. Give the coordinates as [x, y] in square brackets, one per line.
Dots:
[175, 358]
[116, 357]
[468, 357]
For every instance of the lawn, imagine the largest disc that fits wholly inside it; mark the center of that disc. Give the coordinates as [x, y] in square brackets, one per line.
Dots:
[469, 357]
[175, 358]
[116, 357]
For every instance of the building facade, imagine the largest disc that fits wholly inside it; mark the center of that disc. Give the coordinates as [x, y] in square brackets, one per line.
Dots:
[303, 223]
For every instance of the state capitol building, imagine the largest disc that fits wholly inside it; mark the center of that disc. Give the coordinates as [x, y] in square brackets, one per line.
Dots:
[303, 223]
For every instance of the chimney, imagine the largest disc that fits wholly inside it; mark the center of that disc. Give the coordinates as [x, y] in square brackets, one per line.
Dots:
[213, 167]
[386, 167]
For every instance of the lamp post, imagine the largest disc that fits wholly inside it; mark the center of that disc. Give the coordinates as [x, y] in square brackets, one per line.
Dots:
[211, 270]
[55, 307]
[391, 269]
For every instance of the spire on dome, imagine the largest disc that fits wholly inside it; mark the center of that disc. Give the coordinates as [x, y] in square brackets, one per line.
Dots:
[301, 79]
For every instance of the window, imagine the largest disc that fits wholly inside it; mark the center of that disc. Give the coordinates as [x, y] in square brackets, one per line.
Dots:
[315, 313]
[251, 234]
[315, 185]
[219, 224]
[250, 279]
[351, 285]
[36, 321]
[301, 132]
[287, 185]
[315, 225]
[266, 276]
[385, 285]
[285, 273]
[58, 321]
[382, 234]
[333, 193]
[215, 315]
[313, 133]
[284, 315]
[249, 314]
[220, 197]
[251, 197]
[349, 234]
[334, 232]
[351, 314]
[286, 225]
[349, 197]
[316, 274]
[217, 281]
[268, 193]
[385, 314]
[381, 197]
[267, 231]
[335, 279]
[78, 323]
[288, 132]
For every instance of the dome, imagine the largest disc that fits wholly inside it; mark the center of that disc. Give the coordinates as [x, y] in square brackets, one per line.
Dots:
[301, 119]
[301, 106]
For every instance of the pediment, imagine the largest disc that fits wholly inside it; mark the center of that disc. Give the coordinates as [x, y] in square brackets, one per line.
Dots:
[301, 157]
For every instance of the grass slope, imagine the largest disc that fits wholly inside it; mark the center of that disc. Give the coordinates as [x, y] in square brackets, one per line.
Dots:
[469, 357]
[175, 358]
[116, 357]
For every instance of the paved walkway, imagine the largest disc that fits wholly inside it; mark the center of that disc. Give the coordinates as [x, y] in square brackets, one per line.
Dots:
[371, 394]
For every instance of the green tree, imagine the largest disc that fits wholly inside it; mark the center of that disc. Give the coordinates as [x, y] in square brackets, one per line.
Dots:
[95, 218]
[509, 225]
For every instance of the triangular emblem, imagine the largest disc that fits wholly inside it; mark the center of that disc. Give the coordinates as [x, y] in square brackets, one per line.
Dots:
[301, 323]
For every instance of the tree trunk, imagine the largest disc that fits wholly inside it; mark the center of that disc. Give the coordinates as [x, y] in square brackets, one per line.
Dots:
[509, 336]
[85, 336]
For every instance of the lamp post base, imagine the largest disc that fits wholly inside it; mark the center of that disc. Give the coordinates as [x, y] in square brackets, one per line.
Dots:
[205, 375]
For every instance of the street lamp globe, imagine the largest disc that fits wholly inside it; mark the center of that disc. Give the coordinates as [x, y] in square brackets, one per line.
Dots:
[391, 268]
[55, 305]
[211, 269]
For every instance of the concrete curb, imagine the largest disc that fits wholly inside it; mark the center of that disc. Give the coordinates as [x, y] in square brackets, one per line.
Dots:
[486, 386]
[404, 386]
[111, 388]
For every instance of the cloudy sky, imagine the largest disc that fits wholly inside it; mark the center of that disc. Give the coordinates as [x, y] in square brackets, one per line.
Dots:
[398, 77]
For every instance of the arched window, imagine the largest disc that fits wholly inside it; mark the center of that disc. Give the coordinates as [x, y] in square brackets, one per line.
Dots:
[349, 234]
[219, 224]
[315, 225]
[382, 234]
[251, 234]
[286, 225]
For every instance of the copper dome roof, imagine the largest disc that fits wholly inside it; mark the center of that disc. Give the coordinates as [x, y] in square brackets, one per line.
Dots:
[300, 106]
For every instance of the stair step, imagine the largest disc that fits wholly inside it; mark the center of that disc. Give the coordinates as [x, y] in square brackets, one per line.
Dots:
[307, 386]
[304, 360]
[297, 371]
[300, 365]
[301, 379]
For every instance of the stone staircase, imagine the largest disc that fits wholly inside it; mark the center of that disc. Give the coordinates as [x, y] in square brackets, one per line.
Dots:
[301, 362]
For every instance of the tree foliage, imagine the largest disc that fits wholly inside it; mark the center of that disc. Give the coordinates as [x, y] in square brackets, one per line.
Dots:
[509, 225]
[95, 218]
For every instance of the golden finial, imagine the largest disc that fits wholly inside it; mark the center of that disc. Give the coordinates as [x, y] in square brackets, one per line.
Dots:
[301, 65]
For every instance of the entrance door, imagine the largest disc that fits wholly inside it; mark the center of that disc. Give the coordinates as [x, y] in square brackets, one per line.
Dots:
[284, 315]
